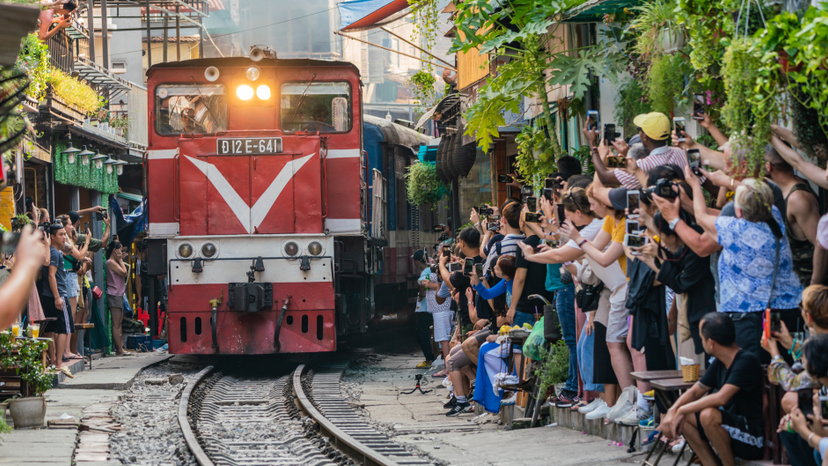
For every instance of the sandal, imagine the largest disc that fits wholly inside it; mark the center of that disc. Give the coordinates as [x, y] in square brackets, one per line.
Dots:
[67, 372]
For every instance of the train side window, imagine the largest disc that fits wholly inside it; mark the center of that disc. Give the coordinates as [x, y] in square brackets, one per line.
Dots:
[316, 106]
[190, 109]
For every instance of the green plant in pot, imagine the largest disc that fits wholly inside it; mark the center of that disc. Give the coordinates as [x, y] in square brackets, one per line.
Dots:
[24, 357]
[422, 185]
[554, 366]
[656, 29]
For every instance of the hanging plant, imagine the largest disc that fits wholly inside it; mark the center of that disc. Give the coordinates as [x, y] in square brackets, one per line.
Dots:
[423, 85]
[747, 112]
[75, 92]
[33, 60]
[653, 22]
[536, 153]
[425, 14]
[631, 101]
[666, 83]
[422, 185]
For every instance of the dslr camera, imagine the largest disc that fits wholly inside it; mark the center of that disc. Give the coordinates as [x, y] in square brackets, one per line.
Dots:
[485, 211]
[663, 188]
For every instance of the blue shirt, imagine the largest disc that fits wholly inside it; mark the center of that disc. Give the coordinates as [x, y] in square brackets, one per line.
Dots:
[422, 305]
[61, 276]
[746, 265]
[553, 277]
[503, 286]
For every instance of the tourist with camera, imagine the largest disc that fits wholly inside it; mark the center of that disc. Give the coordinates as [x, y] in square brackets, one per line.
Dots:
[30, 253]
[755, 267]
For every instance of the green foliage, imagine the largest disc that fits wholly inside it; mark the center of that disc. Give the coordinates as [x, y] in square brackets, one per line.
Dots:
[423, 84]
[25, 355]
[554, 366]
[536, 154]
[665, 83]
[33, 59]
[422, 185]
[746, 112]
[75, 92]
[4, 428]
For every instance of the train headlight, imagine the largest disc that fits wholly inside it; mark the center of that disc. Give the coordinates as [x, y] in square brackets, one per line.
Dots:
[291, 248]
[211, 73]
[253, 73]
[315, 248]
[263, 92]
[209, 250]
[185, 250]
[244, 92]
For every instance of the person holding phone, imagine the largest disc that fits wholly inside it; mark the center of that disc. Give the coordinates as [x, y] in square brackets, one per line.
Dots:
[655, 134]
[29, 256]
[55, 18]
[813, 427]
[422, 318]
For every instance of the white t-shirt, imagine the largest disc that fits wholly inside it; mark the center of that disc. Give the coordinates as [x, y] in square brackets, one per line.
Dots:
[589, 232]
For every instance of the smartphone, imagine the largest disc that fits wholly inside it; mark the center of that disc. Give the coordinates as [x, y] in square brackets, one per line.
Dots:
[438, 228]
[806, 401]
[510, 192]
[478, 269]
[694, 158]
[633, 204]
[504, 179]
[679, 126]
[594, 120]
[616, 161]
[493, 225]
[485, 210]
[548, 193]
[532, 217]
[823, 402]
[698, 106]
[766, 323]
[609, 133]
[775, 321]
[532, 203]
[634, 241]
[526, 191]
[633, 227]
[467, 266]
[454, 267]
[446, 251]
[99, 216]
[561, 214]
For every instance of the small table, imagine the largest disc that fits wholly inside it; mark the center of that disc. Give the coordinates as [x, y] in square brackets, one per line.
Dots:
[647, 376]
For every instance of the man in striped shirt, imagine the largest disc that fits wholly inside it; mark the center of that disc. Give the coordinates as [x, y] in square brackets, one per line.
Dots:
[654, 131]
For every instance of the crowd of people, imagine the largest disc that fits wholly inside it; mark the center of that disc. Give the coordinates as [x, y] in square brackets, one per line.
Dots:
[47, 283]
[669, 253]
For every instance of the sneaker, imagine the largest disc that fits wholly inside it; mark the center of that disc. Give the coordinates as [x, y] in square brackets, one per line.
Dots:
[627, 414]
[647, 422]
[676, 448]
[459, 409]
[599, 412]
[591, 406]
[649, 396]
[625, 402]
[450, 403]
[423, 365]
[631, 418]
[566, 399]
[510, 400]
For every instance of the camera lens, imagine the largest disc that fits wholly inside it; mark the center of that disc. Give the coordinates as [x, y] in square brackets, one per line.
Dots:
[185, 250]
[315, 248]
[291, 248]
[209, 250]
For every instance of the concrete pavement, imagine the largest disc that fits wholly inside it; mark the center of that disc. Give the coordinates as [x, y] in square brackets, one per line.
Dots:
[420, 420]
[79, 404]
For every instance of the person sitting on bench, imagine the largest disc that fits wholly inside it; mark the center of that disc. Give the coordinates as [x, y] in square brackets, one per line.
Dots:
[721, 415]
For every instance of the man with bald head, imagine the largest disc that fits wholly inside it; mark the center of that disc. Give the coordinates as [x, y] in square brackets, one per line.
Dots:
[801, 217]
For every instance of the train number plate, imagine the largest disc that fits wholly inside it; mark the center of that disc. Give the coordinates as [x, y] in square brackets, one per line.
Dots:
[248, 146]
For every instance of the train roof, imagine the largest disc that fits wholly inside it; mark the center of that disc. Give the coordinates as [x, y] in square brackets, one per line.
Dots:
[244, 61]
[394, 133]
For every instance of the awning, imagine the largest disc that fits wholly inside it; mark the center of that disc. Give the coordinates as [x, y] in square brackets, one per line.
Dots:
[131, 197]
[365, 14]
[593, 11]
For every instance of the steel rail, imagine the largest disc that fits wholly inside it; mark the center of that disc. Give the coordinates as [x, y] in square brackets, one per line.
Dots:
[184, 422]
[340, 438]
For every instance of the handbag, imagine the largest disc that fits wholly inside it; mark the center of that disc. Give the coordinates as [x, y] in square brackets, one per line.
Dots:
[97, 292]
[551, 323]
[589, 296]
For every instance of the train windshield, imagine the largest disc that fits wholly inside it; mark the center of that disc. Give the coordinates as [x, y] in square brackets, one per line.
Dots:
[316, 106]
[190, 109]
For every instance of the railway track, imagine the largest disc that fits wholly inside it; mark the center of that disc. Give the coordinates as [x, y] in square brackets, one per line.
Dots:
[233, 420]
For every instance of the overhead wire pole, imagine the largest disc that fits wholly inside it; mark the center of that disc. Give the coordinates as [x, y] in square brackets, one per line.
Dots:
[104, 36]
[90, 21]
[446, 67]
[177, 34]
[149, 35]
[415, 45]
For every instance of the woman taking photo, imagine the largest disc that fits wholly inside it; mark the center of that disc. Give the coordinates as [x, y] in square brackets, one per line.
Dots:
[755, 265]
[116, 275]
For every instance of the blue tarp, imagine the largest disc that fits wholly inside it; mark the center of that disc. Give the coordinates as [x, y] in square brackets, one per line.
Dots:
[129, 225]
[353, 10]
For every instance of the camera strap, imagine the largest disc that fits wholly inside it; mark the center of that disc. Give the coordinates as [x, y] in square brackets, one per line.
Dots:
[775, 271]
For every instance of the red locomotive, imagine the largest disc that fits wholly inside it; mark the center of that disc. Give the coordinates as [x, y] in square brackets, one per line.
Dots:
[255, 185]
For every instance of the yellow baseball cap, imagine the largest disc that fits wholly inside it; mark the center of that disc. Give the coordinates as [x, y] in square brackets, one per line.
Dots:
[655, 125]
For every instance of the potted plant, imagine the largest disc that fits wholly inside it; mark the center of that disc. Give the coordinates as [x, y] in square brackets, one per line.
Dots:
[656, 29]
[24, 357]
[422, 185]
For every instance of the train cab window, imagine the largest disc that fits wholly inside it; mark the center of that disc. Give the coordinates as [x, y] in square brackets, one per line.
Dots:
[316, 106]
[190, 109]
